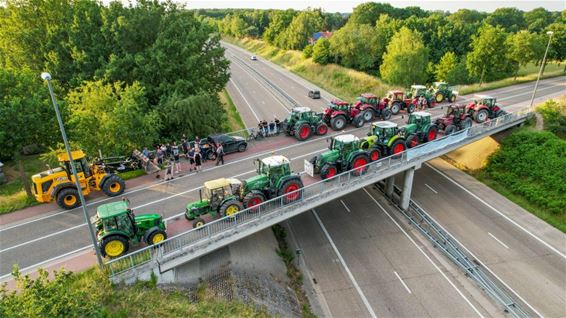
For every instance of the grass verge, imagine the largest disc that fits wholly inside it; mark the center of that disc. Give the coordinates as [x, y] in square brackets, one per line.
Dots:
[12, 194]
[131, 174]
[294, 274]
[235, 121]
[91, 294]
[342, 82]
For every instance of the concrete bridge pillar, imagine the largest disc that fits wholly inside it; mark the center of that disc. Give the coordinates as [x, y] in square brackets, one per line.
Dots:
[389, 185]
[407, 187]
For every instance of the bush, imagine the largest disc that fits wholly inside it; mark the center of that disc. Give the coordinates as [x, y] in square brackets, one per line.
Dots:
[321, 52]
[554, 113]
[307, 51]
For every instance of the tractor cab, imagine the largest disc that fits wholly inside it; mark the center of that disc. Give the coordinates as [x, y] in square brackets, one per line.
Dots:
[340, 105]
[218, 197]
[216, 191]
[436, 86]
[301, 113]
[419, 118]
[417, 91]
[368, 98]
[273, 166]
[344, 143]
[383, 129]
[486, 100]
[395, 95]
[117, 226]
[454, 111]
[80, 160]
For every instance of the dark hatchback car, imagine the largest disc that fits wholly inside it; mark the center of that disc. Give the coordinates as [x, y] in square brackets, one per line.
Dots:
[314, 94]
[230, 143]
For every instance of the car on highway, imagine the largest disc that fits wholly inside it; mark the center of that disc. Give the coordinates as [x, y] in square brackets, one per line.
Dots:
[229, 143]
[314, 94]
[253, 58]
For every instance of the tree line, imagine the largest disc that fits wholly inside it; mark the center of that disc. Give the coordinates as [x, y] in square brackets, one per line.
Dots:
[408, 45]
[124, 75]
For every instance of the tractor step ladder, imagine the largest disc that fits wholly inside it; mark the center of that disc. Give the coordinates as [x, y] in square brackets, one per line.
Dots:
[147, 164]
[455, 252]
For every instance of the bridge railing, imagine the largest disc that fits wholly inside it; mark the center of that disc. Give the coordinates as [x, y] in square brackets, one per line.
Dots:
[196, 238]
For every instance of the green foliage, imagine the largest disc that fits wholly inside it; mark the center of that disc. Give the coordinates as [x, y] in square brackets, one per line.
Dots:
[557, 49]
[525, 47]
[321, 52]
[510, 19]
[406, 59]
[296, 35]
[553, 112]
[488, 57]
[279, 21]
[450, 70]
[537, 19]
[531, 164]
[358, 46]
[307, 51]
[99, 110]
[369, 12]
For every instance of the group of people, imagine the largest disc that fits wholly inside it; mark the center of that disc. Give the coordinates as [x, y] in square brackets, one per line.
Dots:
[422, 103]
[269, 129]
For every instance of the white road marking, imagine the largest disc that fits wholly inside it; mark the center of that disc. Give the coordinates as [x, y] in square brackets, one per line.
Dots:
[245, 100]
[498, 241]
[425, 255]
[479, 261]
[346, 268]
[402, 282]
[431, 189]
[345, 206]
[143, 205]
[498, 212]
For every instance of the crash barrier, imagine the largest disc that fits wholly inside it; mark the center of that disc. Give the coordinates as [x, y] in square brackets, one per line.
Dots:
[230, 228]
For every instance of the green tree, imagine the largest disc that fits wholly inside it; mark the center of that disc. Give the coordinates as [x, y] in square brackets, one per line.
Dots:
[537, 19]
[557, 50]
[406, 59]
[307, 51]
[488, 58]
[296, 36]
[358, 46]
[451, 69]
[510, 19]
[369, 12]
[466, 16]
[321, 51]
[279, 21]
[98, 111]
[525, 47]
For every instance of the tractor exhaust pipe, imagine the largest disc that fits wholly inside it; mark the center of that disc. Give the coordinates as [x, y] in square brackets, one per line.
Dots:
[200, 194]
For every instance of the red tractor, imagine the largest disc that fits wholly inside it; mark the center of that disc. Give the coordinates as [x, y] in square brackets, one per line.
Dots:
[456, 118]
[396, 101]
[339, 113]
[370, 106]
[484, 107]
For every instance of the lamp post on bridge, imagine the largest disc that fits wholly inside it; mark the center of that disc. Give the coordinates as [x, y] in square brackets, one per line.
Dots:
[47, 77]
[550, 33]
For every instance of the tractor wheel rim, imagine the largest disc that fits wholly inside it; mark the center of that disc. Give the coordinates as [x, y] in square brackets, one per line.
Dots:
[304, 132]
[158, 238]
[414, 142]
[322, 130]
[359, 164]
[70, 199]
[340, 123]
[398, 148]
[115, 187]
[231, 210]
[431, 135]
[439, 98]
[367, 116]
[331, 172]
[199, 224]
[114, 248]
[254, 201]
[291, 188]
[374, 155]
[482, 116]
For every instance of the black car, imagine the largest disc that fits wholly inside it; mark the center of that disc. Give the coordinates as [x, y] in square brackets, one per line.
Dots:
[314, 94]
[230, 143]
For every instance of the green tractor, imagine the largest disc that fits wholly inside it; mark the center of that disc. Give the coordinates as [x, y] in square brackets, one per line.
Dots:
[221, 198]
[384, 139]
[303, 122]
[344, 154]
[419, 129]
[442, 91]
[117, 226]
[274, 178]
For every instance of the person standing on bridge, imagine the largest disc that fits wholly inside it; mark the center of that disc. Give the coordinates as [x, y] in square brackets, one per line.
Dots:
[219, 154]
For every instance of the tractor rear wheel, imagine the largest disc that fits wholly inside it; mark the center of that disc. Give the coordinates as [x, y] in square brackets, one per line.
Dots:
[439, 97]
[338, 122]
[374, 154]
[114, 246]
[358, 164]
[231, 207]
[453, 98]
[253, 198]
[303, 132]
[328, 171]
[481, 116]
[412, 141]
[358, 121]
[198, 222]
[450, 129]
[386, 114]
[398, 146]
[411, 108]
[68, 198]
[431, 133]
[113, 186]
[395, 108]
[368, 115]
[466, 123]
[289, 190]
[321, 129]
[156, 237]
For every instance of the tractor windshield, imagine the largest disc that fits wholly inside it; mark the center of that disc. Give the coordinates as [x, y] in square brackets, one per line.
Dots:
[120, 222]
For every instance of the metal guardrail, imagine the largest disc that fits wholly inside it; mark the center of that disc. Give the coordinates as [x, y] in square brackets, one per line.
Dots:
[194, 239]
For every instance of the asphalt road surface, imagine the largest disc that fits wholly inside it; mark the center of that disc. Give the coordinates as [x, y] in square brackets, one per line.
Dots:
[35, 240]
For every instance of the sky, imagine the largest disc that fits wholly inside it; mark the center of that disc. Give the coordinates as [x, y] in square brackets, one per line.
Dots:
[347, 5]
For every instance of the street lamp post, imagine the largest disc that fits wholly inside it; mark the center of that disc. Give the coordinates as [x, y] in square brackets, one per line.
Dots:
[550, 33]
[47, 77]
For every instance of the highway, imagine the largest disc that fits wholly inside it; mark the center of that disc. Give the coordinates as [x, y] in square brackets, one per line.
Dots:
[32, 241]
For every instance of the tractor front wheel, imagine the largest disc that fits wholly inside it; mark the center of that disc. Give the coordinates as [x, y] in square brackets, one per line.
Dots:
[412, 141]
[411, 108]
[289, 190]
[368, 115]
[431, 133]
[328, 171]
[198, 223]
[321, 129]
[358, 121]
[481, 116]
[395, 108]
[450, 129]
[439, 97]
[231, 207]
[303, 132]
[358, 165]
[114, 246]
[386, 114]
[466, 123]
[68, 198]
[156, 237]
[453, 98]
[253, 198]
[398, 146]
[338, 123]
[374, 154]
[113, 186]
